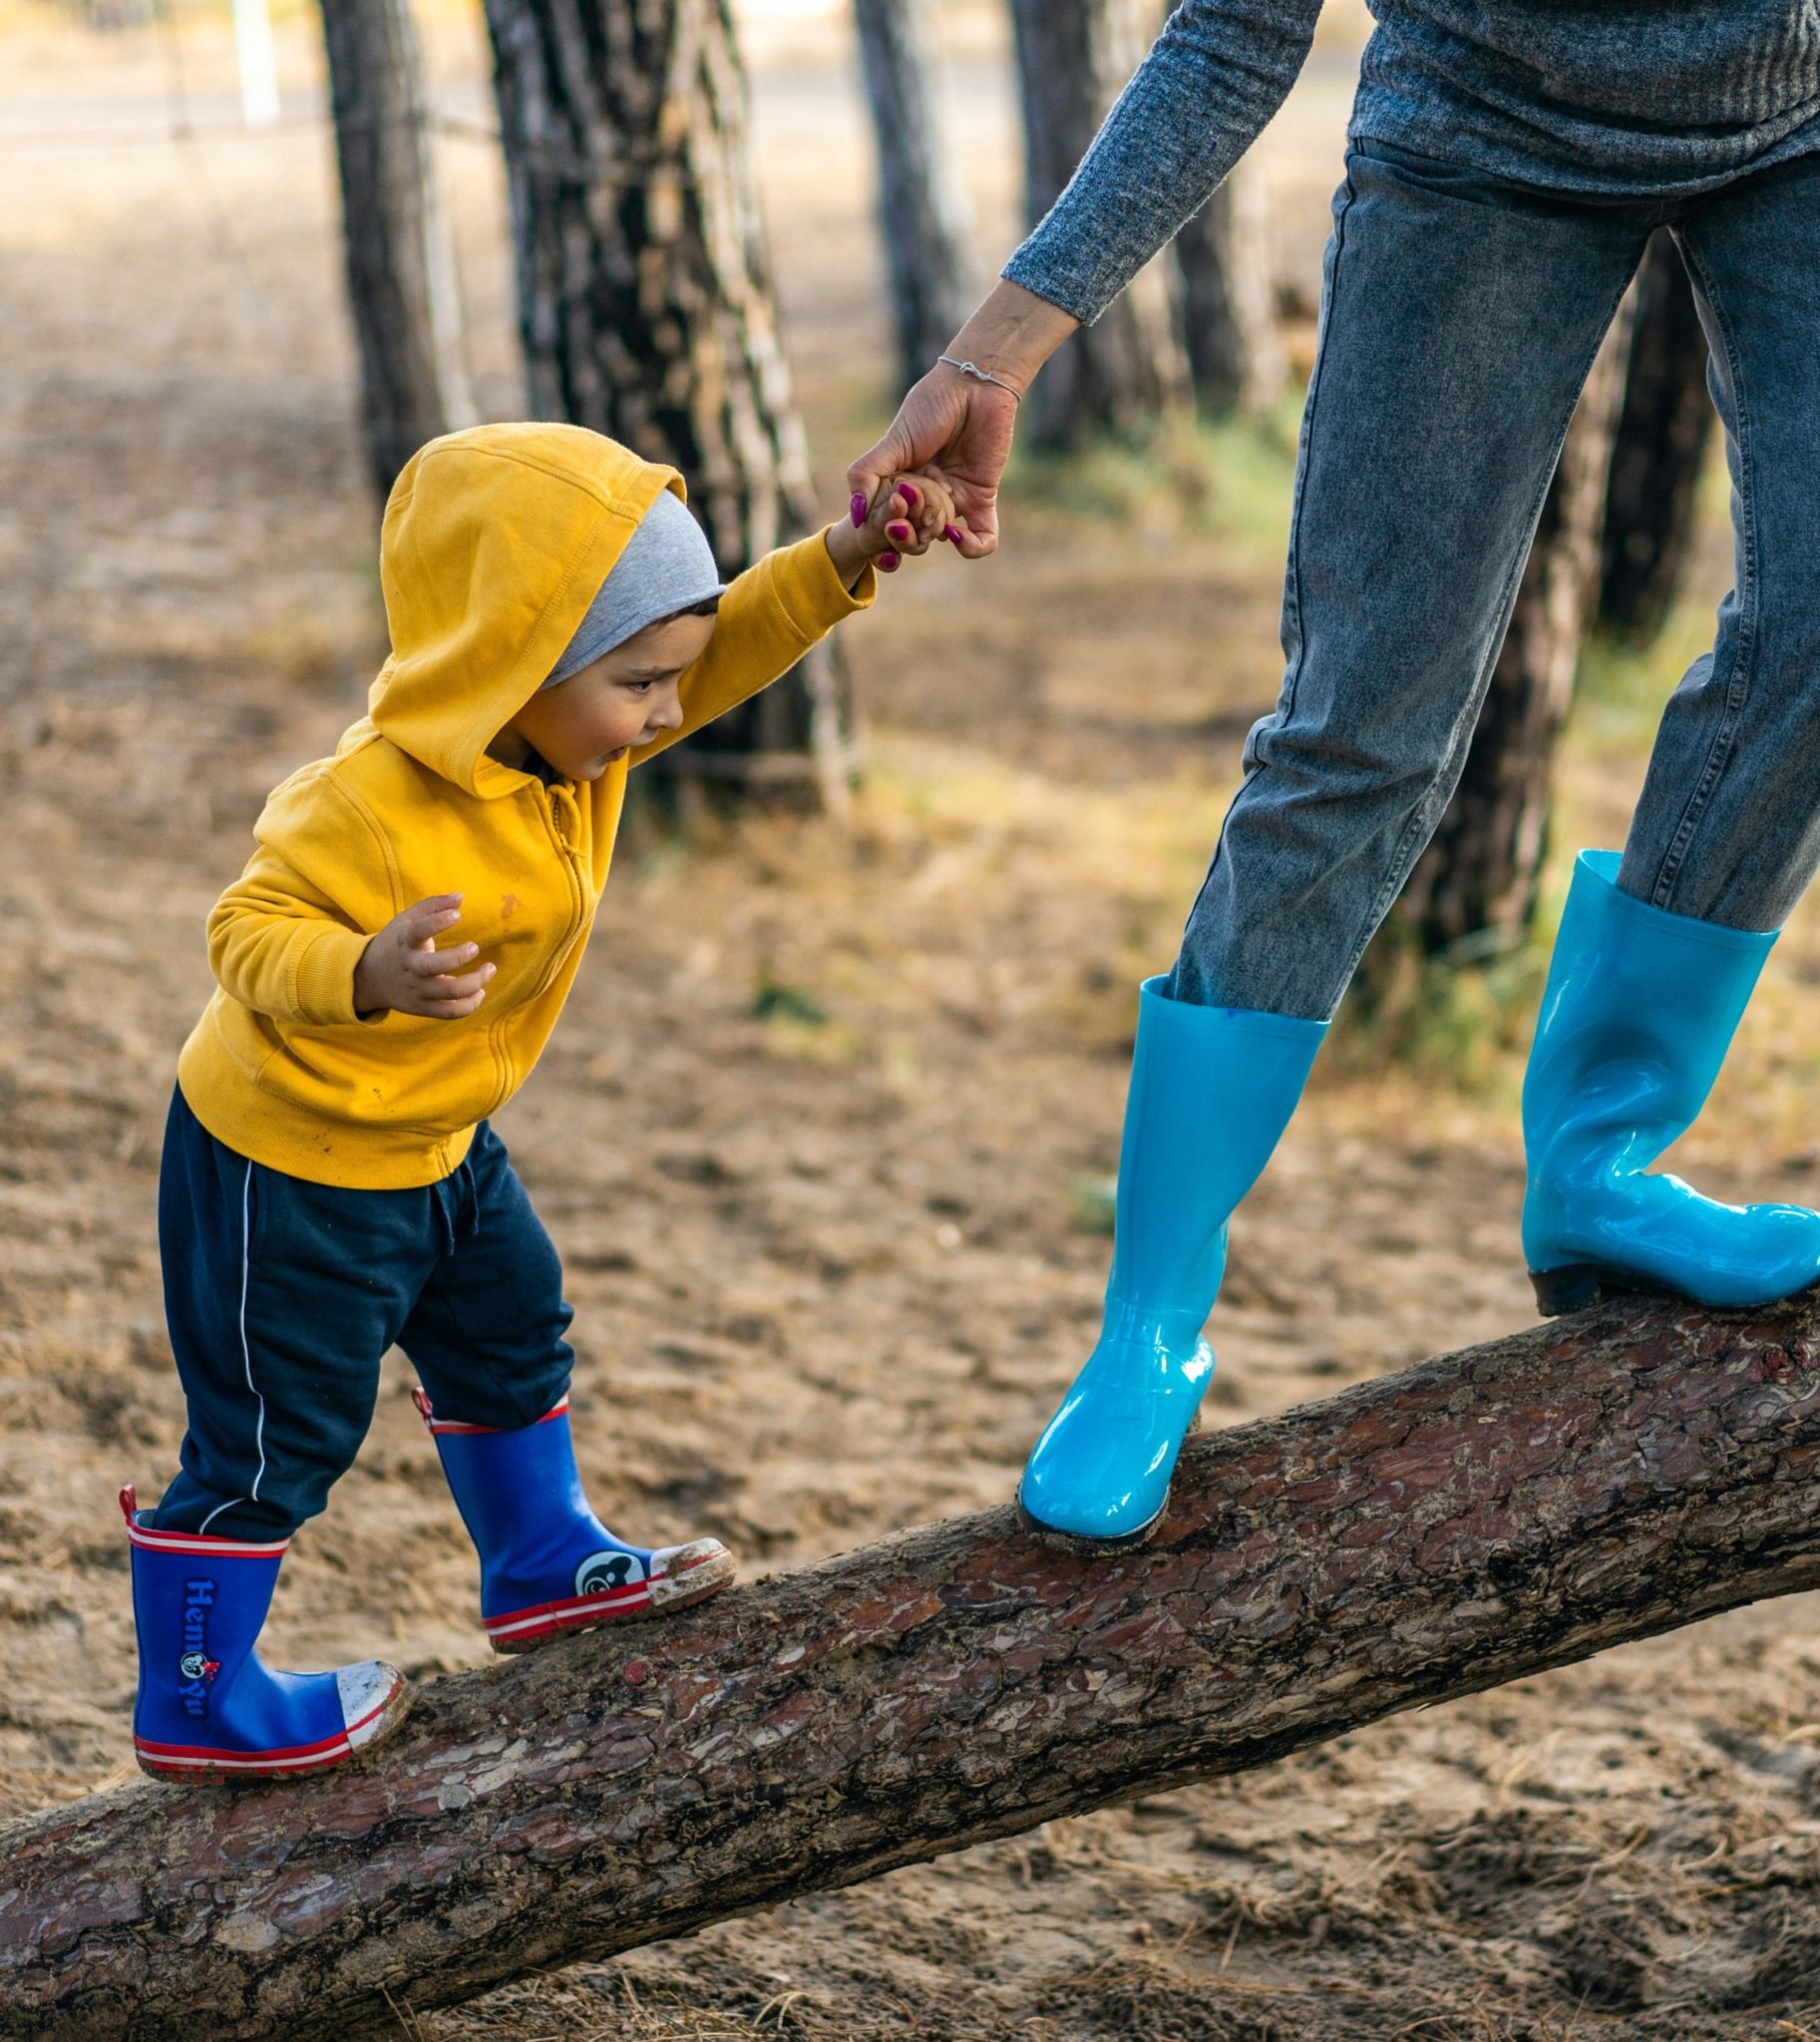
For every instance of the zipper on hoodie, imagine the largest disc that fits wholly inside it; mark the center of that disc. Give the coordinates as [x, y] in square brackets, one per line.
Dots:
[569, 850]
[560, 807]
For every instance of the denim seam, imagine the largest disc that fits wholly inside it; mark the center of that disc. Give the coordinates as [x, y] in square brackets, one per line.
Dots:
[1291, 590]
[1292, 583]
[1738, 680]
[1425, 811]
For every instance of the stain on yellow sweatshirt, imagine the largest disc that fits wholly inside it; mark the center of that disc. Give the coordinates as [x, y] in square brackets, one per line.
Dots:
[494, 544]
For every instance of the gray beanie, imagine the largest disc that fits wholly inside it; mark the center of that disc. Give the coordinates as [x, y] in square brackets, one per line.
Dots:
[667, 568]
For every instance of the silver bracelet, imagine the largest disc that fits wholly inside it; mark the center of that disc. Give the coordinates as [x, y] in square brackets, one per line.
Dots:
[980, 375]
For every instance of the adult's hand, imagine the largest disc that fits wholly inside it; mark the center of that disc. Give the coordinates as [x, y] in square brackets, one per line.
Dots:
[964, 426]
[961, 427]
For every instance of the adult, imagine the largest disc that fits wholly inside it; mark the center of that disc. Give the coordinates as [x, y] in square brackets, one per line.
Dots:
[1505, 167]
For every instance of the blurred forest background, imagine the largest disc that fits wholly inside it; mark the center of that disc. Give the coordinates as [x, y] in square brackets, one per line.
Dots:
[827, 1137]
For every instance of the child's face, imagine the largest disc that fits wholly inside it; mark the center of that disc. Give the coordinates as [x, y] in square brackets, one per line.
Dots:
[625, 698]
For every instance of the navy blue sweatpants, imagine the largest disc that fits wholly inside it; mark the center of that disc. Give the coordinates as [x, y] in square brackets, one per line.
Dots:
[283, 1297]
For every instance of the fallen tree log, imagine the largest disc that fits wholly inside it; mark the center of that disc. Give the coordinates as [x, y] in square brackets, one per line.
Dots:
[1478, 1518]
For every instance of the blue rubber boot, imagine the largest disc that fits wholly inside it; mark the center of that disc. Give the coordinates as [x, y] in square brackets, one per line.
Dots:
[1212, 1090]
[1639, 1012]
[207, 1705]
[547, 1563]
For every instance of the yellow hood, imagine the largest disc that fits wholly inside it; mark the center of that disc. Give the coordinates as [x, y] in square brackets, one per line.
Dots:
[495, 543]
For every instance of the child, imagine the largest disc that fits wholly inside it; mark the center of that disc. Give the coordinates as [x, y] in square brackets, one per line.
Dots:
[331, 1182]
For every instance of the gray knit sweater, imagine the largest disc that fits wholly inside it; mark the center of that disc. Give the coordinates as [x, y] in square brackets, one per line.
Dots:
[1609, 97]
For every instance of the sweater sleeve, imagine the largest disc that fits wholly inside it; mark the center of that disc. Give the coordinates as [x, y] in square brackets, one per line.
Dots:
[769, 617]
[286, 935]
[1217, 74]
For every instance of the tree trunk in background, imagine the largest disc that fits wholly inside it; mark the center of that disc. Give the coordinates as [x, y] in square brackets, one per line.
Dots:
[1662, 434]
[1228, 300]
[400, 255]
[1120, 374]
[1473, 890]
[920, 210]
[1468, 1522]
[646, 311]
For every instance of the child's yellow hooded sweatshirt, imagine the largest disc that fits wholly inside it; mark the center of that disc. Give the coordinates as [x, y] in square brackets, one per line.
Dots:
[494, 545]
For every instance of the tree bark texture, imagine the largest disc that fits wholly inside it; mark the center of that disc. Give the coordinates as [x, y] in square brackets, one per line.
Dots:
[1663, 432]
[399, 254]
[1123, 372]
[1228, 312]
[1474, 889]
[1479, 1517]
[645, 303]
[920, 210]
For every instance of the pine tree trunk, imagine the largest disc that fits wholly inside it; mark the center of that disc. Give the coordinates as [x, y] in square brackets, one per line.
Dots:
[1228, 300]
[400, 254]
[646, 311]
[1471, 1520]
[1122, 373]
[920, 211]
[1473, 890]
[1662, 434]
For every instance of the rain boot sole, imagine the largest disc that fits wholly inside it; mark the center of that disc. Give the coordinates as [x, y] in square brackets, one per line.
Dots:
[1080, 1541]
[233, 1772]
[669, 1592]
[1577, 1286]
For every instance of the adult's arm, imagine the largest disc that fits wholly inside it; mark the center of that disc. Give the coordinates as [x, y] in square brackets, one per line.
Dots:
[1214, 78]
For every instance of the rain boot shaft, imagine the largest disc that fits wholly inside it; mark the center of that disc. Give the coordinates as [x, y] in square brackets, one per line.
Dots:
[1212, 1090]
[206, 1703]
[1637, 1018]
[547, 1563]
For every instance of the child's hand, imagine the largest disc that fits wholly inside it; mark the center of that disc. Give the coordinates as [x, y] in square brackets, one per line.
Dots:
[907, 517]
[402, 969]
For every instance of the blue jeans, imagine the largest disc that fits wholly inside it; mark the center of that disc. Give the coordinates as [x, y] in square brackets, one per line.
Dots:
[282, 1297]
[1459, 317]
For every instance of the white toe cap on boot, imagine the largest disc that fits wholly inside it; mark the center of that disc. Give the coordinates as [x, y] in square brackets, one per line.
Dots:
[681, 1574]
[372, 1698]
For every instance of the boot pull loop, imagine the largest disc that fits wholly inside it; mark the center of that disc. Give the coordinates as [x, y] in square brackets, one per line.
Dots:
[424, 1409]
[129, 1501]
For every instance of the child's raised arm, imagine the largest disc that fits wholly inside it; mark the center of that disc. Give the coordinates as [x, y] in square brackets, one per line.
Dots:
[774, 612]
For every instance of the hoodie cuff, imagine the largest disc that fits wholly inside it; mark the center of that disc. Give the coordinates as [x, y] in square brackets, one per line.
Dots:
[808, 586]
[322, 974]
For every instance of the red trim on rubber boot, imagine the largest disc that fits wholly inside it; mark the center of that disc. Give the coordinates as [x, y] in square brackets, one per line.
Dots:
[427, 1413]
[192, 1758]
[540, 1619]
[155, 1540]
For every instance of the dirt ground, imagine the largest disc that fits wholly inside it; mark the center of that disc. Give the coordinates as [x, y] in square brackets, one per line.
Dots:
[824, 1134]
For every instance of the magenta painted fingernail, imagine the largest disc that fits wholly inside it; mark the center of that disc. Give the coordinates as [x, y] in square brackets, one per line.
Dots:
[889, 562]
[950, 535]
[898, 530]
[858, 510]
[910, 494]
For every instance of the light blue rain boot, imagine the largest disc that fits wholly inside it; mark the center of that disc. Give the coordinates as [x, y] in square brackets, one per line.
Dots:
[1212, 1090]
[208, 1707]
[547, 1563]
[1640, 1010]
